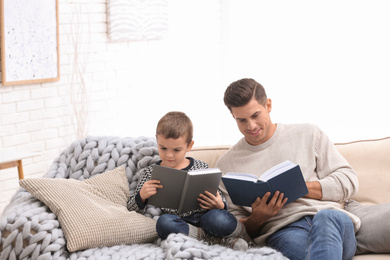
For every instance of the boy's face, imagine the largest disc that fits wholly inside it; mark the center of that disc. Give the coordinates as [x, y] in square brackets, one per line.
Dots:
[254, 122]
[173, 151]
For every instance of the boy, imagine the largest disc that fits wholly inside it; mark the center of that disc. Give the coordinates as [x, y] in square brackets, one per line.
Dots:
[212, 222]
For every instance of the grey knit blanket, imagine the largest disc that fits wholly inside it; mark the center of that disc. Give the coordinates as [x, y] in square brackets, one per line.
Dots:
[29, 230]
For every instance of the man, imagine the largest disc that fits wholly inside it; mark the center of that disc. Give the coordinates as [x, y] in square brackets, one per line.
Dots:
[313, 227]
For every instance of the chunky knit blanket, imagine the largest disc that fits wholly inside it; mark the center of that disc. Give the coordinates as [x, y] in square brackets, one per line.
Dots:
[29, 230]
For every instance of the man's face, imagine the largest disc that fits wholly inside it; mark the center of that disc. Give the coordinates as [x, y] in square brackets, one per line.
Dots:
[254, 122]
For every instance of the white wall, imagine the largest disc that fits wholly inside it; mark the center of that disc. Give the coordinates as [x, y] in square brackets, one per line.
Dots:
[320, 62]
[325, 62]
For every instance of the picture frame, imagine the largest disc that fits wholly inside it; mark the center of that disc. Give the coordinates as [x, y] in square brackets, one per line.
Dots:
[29, 41]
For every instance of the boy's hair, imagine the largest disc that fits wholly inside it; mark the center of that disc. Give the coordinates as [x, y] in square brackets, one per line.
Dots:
[240, 92]
[174, 125]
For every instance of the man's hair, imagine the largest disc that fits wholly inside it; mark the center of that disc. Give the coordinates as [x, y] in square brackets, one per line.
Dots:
[175, 125]
[240, 92]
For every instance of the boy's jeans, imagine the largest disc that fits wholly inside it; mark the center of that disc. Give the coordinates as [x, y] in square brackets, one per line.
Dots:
[216, 222]
[327, 235]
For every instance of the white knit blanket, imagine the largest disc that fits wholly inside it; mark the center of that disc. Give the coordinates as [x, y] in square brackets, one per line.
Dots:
[29, 230]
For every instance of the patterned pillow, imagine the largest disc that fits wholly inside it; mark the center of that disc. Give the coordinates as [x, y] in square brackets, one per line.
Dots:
[93, 213]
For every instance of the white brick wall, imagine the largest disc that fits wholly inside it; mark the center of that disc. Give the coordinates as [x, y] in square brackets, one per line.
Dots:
[39, 117]
[124, 84]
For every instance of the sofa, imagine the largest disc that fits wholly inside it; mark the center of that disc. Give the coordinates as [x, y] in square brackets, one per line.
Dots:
[45, 221]
[369, 158]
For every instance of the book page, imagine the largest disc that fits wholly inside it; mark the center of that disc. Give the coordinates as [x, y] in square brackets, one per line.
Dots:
[204, 171]
[241, 176]
[276, 170]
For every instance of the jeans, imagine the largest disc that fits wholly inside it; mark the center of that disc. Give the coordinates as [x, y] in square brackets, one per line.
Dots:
[216, 222]
[327, 235]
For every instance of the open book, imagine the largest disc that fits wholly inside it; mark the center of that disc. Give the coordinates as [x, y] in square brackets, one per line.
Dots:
[181, 189]
[286, 177]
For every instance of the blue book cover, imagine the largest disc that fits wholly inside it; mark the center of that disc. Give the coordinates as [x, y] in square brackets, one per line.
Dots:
[244, 188]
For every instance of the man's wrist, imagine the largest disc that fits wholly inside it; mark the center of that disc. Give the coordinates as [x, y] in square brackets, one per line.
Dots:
[252, 226]
[315, 190]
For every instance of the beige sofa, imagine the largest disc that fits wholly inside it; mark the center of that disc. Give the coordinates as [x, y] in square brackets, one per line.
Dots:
[369, 158]
[30, 230]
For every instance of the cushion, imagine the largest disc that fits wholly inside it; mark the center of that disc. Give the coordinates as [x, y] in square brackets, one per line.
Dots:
[374, 233]
[371, 161]
[93, 212]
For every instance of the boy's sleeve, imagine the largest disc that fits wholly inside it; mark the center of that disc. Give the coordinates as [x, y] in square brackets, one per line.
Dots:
[135, 202]
[139, 202]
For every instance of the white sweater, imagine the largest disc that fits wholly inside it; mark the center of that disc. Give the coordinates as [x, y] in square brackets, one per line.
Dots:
[310, 148]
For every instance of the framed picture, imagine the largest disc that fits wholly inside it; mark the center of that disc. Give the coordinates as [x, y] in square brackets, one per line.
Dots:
[29, 41]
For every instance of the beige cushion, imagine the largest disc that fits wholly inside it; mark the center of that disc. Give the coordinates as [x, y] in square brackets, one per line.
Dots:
[93, 213]
[208, 154]
[371, 161]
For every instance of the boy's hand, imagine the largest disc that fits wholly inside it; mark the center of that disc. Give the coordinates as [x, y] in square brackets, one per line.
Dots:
[208, 201]
[149, 189]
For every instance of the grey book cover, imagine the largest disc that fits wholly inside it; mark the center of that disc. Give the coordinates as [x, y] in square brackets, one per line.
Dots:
[181, 189]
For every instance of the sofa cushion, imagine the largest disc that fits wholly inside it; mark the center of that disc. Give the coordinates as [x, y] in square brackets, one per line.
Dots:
[93, 212]
[371, 161]
[208, 154]
[373, 235]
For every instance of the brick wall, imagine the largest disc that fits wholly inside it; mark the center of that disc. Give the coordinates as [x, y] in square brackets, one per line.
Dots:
[119, 81]
[41, 117]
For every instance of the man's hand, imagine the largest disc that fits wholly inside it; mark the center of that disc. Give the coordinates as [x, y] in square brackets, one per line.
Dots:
[208, 201]
[315, 190]
[261, 212]
[149, 189]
